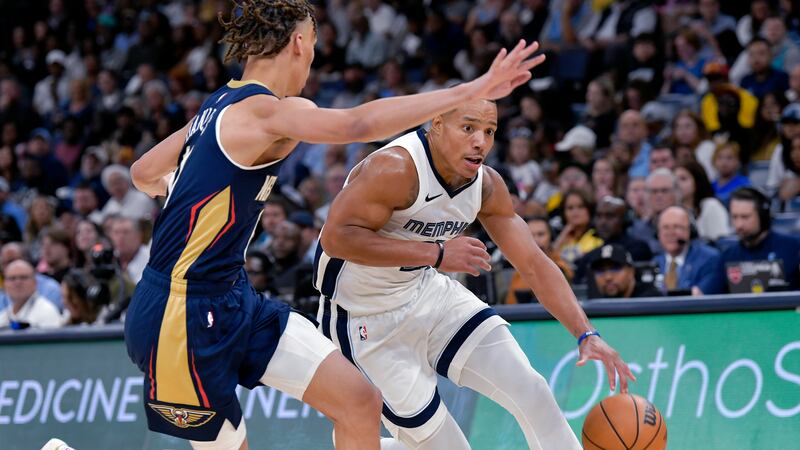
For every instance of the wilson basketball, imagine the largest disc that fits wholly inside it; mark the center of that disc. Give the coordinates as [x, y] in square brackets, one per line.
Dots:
[624, 422]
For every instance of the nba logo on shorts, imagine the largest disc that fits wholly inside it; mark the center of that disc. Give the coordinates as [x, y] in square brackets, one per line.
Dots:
[362, 332]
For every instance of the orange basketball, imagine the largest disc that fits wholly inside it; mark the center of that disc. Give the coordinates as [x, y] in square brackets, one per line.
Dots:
[624, 422]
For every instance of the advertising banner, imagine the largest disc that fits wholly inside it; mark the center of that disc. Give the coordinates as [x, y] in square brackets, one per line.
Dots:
[721, 380]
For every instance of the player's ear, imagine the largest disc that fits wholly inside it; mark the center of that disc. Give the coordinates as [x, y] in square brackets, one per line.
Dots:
[437, 123]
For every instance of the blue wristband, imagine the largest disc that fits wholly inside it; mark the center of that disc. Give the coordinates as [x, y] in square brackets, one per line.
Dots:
[586, 335]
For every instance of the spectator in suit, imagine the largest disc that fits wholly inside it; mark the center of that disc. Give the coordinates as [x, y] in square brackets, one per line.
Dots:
[686, 262]
[614, 274]
[751, 220]
[663, 191]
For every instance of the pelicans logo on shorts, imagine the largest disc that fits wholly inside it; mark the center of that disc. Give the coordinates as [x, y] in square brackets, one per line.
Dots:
[182, 417]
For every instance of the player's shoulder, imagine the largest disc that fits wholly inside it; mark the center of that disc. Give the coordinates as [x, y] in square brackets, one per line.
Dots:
[391, 162]
[491, 179]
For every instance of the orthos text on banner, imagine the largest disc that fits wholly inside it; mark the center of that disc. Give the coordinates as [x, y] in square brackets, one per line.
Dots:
[721, 380]
[741, 379]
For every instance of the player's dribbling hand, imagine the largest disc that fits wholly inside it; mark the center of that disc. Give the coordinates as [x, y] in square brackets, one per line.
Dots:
[595, 347]
[508, 70]
[465, 254]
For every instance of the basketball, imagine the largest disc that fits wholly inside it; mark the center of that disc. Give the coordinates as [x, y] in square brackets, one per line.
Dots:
[624, 422]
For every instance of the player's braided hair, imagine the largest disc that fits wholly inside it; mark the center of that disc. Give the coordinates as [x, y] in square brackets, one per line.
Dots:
[262, 27]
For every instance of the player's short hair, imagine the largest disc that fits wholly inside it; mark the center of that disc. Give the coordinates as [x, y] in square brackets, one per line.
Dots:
[262, 27]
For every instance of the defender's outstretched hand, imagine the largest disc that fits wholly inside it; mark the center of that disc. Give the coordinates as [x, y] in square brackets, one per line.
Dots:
[508, 71]
[594, 347]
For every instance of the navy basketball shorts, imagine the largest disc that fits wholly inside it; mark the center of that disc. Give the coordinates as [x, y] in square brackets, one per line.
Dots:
[195, 341]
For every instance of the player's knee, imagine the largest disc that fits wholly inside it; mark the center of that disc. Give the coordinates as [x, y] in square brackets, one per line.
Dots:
[534, 382]
[365, 403]
[373, 400]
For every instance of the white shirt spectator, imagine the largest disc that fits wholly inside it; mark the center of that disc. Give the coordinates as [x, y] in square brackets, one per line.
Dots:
[43, 100]
[134, 205]
[704, 152]
[777, 170]
[37, 311]
[380, 19]
[713, 221]
[136, 267]
[125, 201]
[525, 176]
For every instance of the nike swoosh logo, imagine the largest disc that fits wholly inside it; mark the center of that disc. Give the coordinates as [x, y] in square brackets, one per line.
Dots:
[429, 198]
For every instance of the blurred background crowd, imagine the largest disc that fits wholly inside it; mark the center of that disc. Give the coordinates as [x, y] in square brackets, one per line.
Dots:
[656, 152]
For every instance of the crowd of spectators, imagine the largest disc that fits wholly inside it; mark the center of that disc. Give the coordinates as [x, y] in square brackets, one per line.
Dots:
[659, 134]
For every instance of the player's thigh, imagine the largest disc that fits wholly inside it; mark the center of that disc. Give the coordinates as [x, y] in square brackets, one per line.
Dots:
[229, 438]
[391, 350]
[300, 352]
[462, 322]
[448, 436]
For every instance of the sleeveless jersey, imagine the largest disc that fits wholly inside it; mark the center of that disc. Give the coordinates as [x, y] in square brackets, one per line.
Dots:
[439, 213]
[213, 203]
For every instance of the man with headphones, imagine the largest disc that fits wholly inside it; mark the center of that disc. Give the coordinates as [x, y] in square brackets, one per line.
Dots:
[750, 216]
[688, 265]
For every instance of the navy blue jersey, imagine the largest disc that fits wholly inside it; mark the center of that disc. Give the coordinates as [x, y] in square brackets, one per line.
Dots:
[213, 204]
[195, 326]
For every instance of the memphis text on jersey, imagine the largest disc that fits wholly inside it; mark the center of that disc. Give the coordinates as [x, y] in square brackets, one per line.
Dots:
[436, 229]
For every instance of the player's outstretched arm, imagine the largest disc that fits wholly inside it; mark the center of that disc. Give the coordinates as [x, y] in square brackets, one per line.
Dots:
[150, 173]
[387, 181]
[512, 235]
[301, 119]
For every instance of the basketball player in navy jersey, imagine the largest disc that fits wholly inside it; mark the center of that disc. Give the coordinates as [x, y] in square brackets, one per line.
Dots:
[401, 322]
[195, 326]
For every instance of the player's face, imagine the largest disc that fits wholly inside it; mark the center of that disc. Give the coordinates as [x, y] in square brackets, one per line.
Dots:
[467, 137]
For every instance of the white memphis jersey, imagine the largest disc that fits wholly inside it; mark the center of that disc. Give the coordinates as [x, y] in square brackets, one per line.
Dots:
[439, 213]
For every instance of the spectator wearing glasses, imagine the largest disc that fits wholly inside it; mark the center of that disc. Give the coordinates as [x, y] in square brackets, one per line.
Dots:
[662, 191]
[27, 308]
[614, 274]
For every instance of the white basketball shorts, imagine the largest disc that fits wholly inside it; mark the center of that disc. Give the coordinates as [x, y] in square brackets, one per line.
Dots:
[402, 350]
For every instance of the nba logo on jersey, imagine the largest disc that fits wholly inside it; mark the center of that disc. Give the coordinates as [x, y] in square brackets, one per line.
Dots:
[362, 332]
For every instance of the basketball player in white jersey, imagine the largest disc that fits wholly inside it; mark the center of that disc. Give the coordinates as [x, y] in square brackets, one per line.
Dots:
[398, 220]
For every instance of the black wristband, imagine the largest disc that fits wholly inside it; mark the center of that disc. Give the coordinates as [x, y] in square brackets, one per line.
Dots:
[441, 255]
